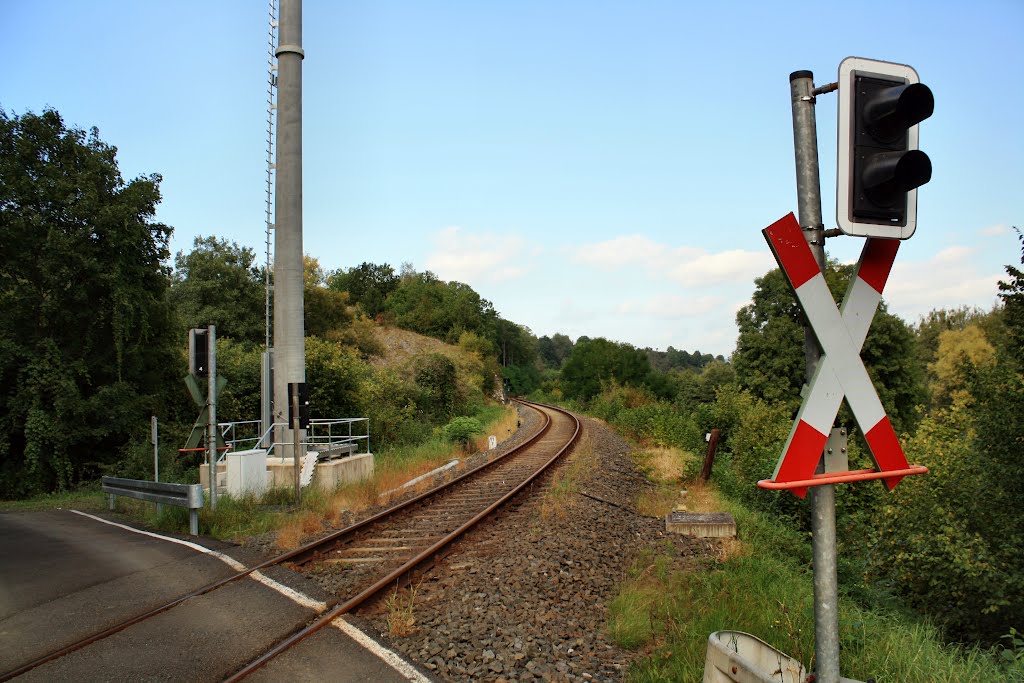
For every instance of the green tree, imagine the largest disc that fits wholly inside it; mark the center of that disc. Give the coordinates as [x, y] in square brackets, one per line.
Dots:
[957, 350]
[334, 374]
[937, 321]
[367, 284]
[554, 350]
[218, 283]
[598, 361]
[1011, 291]
[437, 377]
[85, 335]
[325, 310]
[769, 357]
[444, 310]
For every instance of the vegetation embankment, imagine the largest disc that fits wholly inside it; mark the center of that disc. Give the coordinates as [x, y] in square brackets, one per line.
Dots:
[761, 584]
[945, 546]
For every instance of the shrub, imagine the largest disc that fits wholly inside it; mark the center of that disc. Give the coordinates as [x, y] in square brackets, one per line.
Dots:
[461, 430]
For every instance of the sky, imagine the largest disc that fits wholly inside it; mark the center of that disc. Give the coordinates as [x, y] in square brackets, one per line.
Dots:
[591, 167]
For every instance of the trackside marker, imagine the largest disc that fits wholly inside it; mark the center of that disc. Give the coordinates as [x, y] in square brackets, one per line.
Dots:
[840, 372]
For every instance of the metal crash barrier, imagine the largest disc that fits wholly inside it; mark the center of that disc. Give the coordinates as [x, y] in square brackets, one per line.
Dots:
[737, 657]
[179, 495]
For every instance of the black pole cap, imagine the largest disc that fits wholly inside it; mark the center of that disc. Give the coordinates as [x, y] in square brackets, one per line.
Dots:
[801, 74]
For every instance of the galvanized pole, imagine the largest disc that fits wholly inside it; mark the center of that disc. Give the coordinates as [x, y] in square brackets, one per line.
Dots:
[289, 341]
[823, 498]
[156, 463]
[211, 407]
[296, 448]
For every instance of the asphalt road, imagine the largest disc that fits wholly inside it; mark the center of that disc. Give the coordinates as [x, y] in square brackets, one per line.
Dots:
[64, 576]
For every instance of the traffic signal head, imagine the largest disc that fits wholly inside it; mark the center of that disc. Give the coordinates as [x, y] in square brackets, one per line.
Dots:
[198, 352]
[880, 166]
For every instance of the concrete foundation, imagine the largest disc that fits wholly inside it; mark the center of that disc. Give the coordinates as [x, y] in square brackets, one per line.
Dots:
[327, 476]
[222, 477]
[701, 524]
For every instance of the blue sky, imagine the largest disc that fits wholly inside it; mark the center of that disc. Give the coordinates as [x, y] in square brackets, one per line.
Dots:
[591, 167]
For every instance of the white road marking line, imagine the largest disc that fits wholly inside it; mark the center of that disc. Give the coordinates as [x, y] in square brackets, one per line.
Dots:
[384, 654]
[389, 657]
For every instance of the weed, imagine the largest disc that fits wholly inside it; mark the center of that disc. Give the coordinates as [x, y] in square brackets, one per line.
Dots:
[399, 605]
[567, 479]
[657, 502]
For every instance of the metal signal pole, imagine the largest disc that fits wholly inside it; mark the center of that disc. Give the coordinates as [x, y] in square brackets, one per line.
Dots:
[823, 498]
[289, 340]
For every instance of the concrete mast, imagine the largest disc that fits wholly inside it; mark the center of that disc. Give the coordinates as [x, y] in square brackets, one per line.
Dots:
[289, 339]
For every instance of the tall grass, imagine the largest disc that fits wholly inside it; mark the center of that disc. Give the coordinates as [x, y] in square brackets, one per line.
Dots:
[669, 610]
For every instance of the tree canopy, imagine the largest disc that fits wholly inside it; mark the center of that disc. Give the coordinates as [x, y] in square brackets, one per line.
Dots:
[595, 361]
[219, 283]
[85, 339]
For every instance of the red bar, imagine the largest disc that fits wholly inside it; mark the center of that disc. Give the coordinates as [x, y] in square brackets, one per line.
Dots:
[885, 447]
[803, 455]
[791, 251]
[841, 477]
[877, 261]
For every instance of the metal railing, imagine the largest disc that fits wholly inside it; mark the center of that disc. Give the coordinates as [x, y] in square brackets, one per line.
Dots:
[325, 434]
[180, 495]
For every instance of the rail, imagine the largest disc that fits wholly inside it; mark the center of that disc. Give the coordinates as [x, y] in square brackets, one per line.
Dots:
[344, 606]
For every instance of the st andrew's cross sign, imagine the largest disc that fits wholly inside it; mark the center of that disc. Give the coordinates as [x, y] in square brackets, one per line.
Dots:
[840, 372]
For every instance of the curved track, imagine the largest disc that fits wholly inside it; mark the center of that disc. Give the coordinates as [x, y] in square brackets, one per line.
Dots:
[386, 547]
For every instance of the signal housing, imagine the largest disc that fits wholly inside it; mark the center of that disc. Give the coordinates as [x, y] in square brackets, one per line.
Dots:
[879, 164]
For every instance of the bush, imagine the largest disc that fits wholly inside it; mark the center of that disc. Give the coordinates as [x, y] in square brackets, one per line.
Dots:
[436, 375]
[461, 430]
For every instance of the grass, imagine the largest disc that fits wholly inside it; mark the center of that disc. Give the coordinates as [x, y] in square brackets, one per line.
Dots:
[86, 498]
[764, 587]
[401, 618]
[566, 480]
[664, 466]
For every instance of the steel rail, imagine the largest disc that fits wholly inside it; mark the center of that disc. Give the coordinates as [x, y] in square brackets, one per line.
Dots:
[280, 559]
[408, 566]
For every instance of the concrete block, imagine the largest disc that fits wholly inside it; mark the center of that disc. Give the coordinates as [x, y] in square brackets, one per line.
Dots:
[327, 475]
[701, 524]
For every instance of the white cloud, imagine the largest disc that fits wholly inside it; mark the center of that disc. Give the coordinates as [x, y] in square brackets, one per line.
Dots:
[737, 265]
[626, 251]
[670, 306]
[949, 279]
[478, 257]
[995, 230]
[689, 266]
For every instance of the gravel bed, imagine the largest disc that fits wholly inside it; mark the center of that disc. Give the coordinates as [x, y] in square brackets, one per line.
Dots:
[525, 597]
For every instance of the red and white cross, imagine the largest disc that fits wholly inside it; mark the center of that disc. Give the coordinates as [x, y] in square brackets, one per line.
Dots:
[840, 371]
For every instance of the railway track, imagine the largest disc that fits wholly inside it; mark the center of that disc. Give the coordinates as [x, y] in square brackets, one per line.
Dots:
[382, 550]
